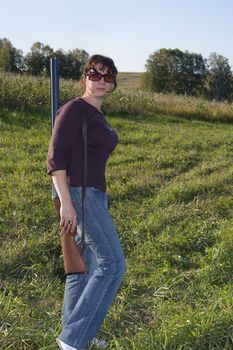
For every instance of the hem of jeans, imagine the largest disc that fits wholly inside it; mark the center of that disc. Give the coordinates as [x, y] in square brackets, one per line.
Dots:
[58, 339]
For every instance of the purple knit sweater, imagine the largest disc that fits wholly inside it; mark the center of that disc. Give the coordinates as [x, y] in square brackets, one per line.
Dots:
[65, 149]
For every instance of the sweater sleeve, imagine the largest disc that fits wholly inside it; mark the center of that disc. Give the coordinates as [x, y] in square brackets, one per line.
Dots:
[65, 131]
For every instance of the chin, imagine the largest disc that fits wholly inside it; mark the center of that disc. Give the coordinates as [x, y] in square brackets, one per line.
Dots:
[101, 93]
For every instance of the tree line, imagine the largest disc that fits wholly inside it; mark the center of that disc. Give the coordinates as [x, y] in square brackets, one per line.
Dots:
[167, 70]
[182, 72]
[37, 61]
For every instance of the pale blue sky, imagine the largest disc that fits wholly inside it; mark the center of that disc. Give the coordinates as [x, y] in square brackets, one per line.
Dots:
[126, 30]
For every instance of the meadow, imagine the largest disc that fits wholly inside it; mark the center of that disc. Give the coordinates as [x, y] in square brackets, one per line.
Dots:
[170, 190]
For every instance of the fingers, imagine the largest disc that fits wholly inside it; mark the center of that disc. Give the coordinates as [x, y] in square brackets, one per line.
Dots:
[68, 222]
[69, 225]
[72, 226]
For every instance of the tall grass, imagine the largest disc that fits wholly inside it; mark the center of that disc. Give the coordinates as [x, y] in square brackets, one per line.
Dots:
[170, 193]
[21, 91]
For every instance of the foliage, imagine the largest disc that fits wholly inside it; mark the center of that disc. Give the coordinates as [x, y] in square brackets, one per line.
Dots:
[219, 81]
[170, 194]
[11, 59]
[175, 71]
[22, 91]
[37, 61]
[71, 63]
[167, 70]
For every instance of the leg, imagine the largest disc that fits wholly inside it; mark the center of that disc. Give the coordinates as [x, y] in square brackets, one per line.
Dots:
[75, 285]
[101, 287]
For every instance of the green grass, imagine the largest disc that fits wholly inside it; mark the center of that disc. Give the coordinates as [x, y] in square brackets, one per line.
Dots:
[170, 188]
[22, 91]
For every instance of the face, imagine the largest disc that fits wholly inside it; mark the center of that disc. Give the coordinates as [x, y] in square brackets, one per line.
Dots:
[101, 87]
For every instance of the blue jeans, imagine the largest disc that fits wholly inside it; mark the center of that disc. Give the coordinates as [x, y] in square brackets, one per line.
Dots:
[88, 297]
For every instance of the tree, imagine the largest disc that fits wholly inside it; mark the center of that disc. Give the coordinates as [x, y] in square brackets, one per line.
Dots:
[78, 58]
[71, 63]
[37, 61]
[171, 70]
[157, 69]
[193, 70]
[11, 59]
[219, 79]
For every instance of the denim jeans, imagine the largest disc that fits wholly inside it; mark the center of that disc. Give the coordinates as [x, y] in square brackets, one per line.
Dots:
[88, 297]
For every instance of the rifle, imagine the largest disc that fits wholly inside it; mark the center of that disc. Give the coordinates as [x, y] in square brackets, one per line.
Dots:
[72, 254]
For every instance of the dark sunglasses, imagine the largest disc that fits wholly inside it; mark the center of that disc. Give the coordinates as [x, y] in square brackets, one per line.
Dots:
[96, 76]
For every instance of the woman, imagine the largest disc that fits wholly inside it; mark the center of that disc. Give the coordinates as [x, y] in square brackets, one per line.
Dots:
[87, 297]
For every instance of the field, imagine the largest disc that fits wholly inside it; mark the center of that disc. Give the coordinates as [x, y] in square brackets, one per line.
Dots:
[170, 190]
[129, 80]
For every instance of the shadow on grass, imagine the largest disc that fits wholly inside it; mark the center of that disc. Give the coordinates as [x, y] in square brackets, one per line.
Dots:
[45, 258]
[135, 193]
[176, 117]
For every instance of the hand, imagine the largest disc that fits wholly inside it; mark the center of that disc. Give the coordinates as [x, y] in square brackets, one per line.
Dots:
[68, 222]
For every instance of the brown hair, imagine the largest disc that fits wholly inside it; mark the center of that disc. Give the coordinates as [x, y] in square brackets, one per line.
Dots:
[104, 61]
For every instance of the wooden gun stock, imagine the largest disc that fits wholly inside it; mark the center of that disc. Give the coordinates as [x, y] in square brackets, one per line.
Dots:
[72, 255]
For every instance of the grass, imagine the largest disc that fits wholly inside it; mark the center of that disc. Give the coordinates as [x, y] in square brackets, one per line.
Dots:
[21, 91]
[129, 80]
[170, 189]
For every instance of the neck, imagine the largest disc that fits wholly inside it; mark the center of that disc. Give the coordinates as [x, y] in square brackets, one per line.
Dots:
[92, 100]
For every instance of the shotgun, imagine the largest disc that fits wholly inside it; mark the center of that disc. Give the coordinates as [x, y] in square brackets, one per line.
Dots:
[73, 259]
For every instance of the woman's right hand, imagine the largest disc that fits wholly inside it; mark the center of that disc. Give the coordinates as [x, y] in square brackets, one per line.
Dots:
[68, 222]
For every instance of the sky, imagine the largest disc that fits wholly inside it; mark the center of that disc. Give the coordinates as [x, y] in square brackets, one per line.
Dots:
[128, 31]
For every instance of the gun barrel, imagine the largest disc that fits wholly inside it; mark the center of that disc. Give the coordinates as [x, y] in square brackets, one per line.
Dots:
[54, 88]
[54, 97]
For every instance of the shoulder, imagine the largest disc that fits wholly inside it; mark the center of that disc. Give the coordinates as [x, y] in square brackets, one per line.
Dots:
[70, 111]
[73, 105]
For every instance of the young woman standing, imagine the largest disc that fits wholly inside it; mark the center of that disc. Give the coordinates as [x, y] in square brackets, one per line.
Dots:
[88, 296]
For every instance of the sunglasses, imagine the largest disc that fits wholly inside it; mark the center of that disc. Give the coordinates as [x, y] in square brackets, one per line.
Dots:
[96, 76]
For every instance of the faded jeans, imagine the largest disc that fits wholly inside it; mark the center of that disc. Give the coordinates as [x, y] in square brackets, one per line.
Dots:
[88, 297]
